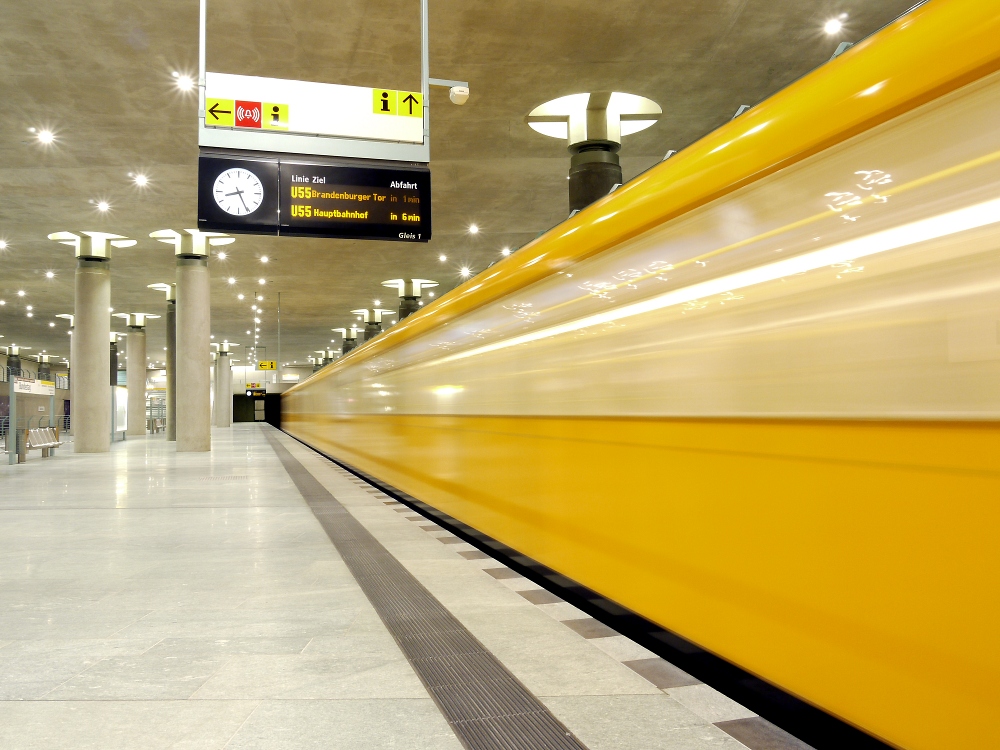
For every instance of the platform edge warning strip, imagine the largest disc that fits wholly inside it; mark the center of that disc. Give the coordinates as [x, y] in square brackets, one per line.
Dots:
[484, 703]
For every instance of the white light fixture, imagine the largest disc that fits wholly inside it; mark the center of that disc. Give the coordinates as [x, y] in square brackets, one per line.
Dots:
[21, 292]
[31, 315]
[264, 259]
[140, 180]
[184, 83]
[505, 252]
[256, 320]
[248, 333]
[239, 296]
[473, 229]
[29, 307]
[260, 297]
[261, 282]
[3, 244]
[378, 302]
[442, 258]
[103, 206]
[49, 275]
[571, 117]
[465, 272]
[45, 136]
[232, 280]
[221, 255]
[430, 294]
[52, 325]
[253, 307]
[834, 25]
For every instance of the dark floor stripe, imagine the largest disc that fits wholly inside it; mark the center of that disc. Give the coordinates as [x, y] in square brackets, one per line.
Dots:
[486, 706]
[809, 724]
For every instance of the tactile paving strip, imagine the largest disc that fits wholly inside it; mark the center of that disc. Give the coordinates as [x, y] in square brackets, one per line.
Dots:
[486, 705]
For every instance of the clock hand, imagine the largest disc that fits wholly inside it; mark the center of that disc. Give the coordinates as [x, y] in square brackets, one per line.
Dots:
[240, 194]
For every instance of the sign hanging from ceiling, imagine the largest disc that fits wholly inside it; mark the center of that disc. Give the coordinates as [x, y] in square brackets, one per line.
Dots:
[324, 109]
[267, 364]
[349, 200]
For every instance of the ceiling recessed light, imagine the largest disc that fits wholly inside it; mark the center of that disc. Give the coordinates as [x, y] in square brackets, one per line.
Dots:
[21, 292]
[45, 136]
[3, 244]
[430, 294]
[232, 280]
[253, 307]
[264, 259]
[248, 333]
[111, 309]
[239, 296]
[256, 320]
[833, 26]
[465, 272]
[103, 206]
[261, 282]
[141, 180]
[52, 325]
[221, 255]
[377, 302]
[184, 83]
[442, 258]
[505, 251]
[260, 297]
[3, 302]
[49, 275]
[31, 315]
[29, 307]
[473, 229]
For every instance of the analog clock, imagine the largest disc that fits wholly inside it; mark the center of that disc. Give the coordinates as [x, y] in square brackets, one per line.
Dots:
[238, 191]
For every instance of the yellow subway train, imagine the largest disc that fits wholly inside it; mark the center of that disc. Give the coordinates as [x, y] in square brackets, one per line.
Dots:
[753, 395]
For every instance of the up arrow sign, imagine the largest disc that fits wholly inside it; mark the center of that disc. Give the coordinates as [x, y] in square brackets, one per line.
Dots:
[411, 100]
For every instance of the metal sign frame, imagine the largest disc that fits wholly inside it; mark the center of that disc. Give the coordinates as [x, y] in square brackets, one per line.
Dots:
[292, 143]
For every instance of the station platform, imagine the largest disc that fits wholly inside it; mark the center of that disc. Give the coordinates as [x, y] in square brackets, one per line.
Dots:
[260, 596]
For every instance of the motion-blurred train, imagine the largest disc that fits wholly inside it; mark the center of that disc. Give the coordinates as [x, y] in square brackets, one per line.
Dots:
[752, 395]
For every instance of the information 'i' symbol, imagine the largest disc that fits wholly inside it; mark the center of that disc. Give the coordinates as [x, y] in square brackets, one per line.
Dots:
[385, 101]
[275, 112]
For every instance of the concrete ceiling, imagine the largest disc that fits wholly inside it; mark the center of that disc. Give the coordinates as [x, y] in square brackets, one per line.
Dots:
[98, 73]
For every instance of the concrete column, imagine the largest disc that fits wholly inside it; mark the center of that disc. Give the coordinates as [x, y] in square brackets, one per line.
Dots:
[223, 391]
[215, 389]
[194, 418]
[91, 331]
[135, 378]
[171, 370]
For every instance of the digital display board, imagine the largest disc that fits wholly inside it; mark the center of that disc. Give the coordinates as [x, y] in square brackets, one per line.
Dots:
[359, 200]
[362, 202]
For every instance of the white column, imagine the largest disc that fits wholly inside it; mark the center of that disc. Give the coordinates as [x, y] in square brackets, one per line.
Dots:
[90, 362]
[135, 378]
[194, 419]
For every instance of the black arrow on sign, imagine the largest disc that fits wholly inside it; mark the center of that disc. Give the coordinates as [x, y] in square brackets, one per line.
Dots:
[412, 100]
[215, 112]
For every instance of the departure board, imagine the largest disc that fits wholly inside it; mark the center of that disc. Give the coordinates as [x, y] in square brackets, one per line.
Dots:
[342, 199]
[348, 201]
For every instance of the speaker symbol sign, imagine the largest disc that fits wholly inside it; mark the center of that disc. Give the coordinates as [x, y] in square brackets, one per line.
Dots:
[248, 114]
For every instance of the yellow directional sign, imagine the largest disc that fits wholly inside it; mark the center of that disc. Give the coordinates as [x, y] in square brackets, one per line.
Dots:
[384, 101]
[411, 104]
[267, 364]
[274, 116]
[219, 112]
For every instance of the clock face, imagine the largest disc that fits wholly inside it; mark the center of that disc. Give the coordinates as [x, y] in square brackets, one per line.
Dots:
[238, 191]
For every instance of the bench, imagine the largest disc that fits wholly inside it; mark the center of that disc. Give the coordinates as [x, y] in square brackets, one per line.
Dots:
[44, 439]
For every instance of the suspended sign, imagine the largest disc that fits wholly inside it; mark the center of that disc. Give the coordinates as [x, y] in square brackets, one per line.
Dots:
[344, 199]
[287, 116]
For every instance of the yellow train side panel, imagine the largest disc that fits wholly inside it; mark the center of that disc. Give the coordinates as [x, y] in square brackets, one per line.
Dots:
[852, 563]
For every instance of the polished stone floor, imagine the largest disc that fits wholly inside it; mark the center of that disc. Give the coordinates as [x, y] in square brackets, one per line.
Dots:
[150, 599]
